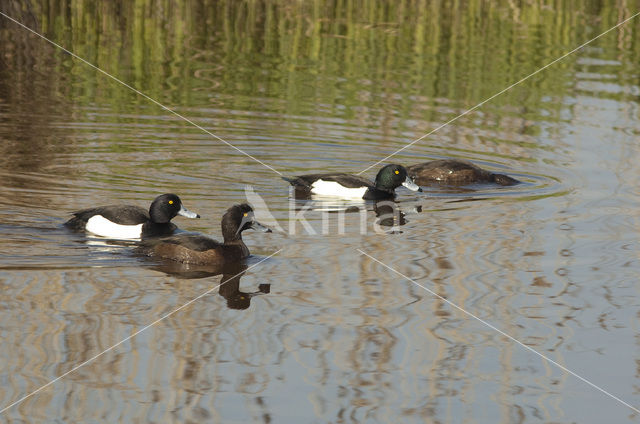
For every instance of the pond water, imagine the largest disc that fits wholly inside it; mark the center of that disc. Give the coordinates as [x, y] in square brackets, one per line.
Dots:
[315, 329]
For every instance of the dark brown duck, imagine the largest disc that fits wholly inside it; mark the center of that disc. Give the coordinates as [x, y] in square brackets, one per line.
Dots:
[455, 172]
[202, 250]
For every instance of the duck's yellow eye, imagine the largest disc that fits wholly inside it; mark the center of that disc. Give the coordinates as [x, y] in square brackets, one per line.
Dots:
[397, 172]
[246, 214]
[171, 202]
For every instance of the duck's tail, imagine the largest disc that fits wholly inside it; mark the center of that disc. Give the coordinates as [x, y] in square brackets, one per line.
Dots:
[291, 181]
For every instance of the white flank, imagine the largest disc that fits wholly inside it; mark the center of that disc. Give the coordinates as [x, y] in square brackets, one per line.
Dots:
[332, 188]
[101, 226]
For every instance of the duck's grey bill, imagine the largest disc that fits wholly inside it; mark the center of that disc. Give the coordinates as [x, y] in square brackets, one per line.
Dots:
[187, 213]
[259, 227]
[408, 183]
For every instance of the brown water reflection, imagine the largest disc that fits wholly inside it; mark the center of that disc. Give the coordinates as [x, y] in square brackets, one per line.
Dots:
[319, 332]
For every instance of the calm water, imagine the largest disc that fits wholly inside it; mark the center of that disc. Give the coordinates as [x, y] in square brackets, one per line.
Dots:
[320, 332]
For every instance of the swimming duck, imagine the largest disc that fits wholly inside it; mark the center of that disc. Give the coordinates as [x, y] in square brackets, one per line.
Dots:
[131, 222]
[350, 186]
[202, 250]
[455, 172]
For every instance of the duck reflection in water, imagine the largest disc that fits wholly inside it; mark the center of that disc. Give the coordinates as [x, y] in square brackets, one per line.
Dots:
[229, 283]
[389, 214]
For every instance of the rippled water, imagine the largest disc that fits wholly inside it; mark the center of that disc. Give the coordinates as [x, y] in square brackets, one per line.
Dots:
[321, 332]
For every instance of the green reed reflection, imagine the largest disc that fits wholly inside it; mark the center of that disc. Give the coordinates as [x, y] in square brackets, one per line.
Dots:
[400, 67]
[334, 52]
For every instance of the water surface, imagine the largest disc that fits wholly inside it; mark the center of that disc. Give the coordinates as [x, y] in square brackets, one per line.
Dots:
[320, 332]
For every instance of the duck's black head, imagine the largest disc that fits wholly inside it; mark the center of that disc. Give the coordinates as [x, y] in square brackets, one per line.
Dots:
[237, 219]
[393, 176]
[165, 207]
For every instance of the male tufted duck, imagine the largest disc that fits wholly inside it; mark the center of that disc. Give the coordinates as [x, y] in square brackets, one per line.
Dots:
[388, 179]
[131, 222]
